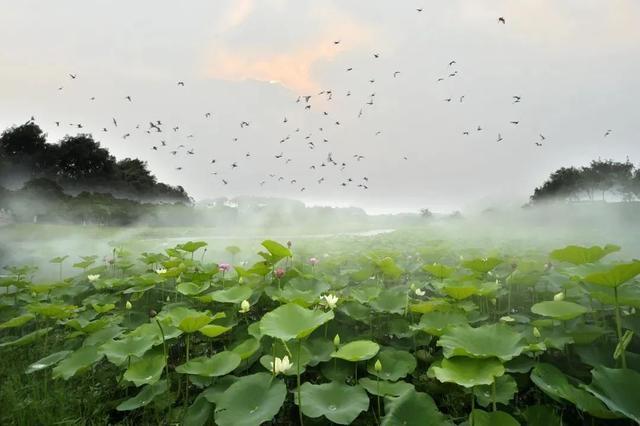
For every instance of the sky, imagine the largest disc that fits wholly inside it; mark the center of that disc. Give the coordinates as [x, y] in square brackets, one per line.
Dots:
[573, 63]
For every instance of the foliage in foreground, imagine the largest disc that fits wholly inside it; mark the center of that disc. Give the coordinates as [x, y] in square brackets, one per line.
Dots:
[415, 333]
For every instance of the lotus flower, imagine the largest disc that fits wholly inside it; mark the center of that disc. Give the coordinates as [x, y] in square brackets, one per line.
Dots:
[245, 306]
[279, 273]
[128, 305]
[377, 366]
[161, 271]
[330, 300]
[336, 341]
[313, 261]
[281, 365]
[93, 278]
[420, 292]
[224, 267]
[558, 297]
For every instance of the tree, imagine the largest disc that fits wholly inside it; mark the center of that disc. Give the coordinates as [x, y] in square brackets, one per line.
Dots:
[425, 213]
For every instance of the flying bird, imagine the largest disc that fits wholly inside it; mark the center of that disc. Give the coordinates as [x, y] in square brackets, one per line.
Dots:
[501, 20]
[607, 133]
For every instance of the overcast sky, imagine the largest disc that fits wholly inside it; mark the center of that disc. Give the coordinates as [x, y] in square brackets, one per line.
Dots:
[573, 62]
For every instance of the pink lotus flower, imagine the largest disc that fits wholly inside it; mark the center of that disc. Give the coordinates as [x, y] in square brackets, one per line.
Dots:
[224, 267]
[279, 273]
[314, 261]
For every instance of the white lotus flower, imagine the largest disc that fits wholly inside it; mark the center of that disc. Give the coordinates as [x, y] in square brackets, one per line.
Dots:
[161, 271]
[558, 297]
[420, 292]
[507, 318]
[330, 300]
[128, 305]
[245, 306]
[281, 365]
[93, 278]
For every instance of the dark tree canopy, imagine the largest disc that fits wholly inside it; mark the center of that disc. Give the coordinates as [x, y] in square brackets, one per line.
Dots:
[77, 163]
[596, 181]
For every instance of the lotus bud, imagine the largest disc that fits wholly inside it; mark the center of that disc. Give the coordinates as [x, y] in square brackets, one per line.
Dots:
[152, 313]
[245, 306]
[279, 273]
[289, 244]
[558, 297]
[536, 332]
[377, 366]
[93, 278]
[336, 341]
[168, 299]
[128, 305]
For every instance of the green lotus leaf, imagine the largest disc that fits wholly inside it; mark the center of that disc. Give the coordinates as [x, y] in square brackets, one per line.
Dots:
[83, 326]
[436, 322]
[506, 388]
[215, 391]
[615, 276]
[18, 321]
[27, 338]
[52, 310]
[198, 413]
[175, 314]
[619, 389]
[460, 291]
[79, 360]
[578, 255]
[430, 306]
[146, 370]
[413, 409]
[628, 294]
[191, 289]
[494, 418]
[494, 340]
[392, 300]
[246, 348]
[102, 336]
[438, 270]
[355, 310]
[337, 370]
[144, 397]
[301, 291]
[365, 292]
[359, 350]
[396, 364]
[554, 383]
[214, 330]
[234, 294]
[193, 323]
[384, 388]
[482, 265]
[561, 310]
[319, 349]
[292, 321]
[389, 268]
[522, 364]
[152, 329]
[250, 401]
[467, 372]
[276, 250]
[119, 351]
[191, 246]
[101, 309]
[338, 402]
[218, 365]
[47, 361]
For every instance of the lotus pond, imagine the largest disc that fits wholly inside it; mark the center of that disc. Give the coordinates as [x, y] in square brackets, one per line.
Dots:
[415, 333]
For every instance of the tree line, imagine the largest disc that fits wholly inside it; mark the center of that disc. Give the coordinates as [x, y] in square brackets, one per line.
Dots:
[76, 164]
[600, 180]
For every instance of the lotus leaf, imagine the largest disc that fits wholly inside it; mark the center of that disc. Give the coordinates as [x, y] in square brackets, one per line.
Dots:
[47, 361]
[619, 389]
[217, 365]
[494, 340]
[396, 364]
[413, 409]
[359, 350]
[560, 309]
[338, 402]
[146, 370]
[250, 401]
[467, 372]
[384, 388]
[292, 321]
[615, 276]
[144, 397]
[506, 388]
[578, 255]
[494, 418]
[77, 361]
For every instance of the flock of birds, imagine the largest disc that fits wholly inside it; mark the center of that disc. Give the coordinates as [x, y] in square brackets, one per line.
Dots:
[326, 165]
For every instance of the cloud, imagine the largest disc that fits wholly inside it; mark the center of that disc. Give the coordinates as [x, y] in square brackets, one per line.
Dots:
[235, 15]
[292, 64]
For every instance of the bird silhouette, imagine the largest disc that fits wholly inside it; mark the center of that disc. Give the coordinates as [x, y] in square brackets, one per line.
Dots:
[501, 20]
